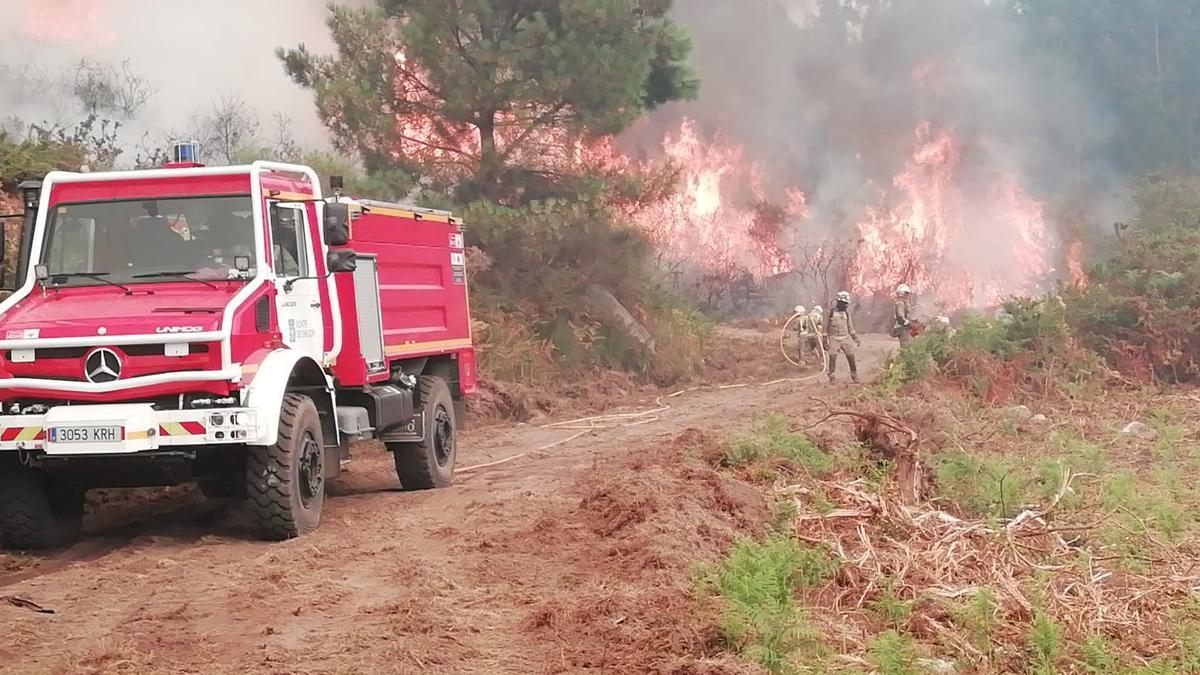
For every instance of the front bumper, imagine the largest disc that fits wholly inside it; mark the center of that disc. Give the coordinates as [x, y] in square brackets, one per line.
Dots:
[141, 428]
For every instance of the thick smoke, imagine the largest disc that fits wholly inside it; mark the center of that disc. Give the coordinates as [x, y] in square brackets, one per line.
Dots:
[191, 54]
[830, 103]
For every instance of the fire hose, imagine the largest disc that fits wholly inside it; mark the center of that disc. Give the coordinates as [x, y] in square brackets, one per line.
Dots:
[608, 422]
[824, 356]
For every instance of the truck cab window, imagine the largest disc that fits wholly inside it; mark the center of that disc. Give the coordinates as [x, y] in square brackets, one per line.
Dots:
[139, 241]
[73, 250]
[289, 242]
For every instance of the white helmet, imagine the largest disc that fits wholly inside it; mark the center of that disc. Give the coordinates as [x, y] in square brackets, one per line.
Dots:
[799, 309]
[817, 309]
[843, 296]
[944, 319]
[903, 289]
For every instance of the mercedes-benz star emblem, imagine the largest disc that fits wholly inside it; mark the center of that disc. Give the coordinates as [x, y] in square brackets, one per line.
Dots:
[102, 365]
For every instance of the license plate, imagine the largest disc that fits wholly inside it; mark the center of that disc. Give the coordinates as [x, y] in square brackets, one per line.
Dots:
[88, 434]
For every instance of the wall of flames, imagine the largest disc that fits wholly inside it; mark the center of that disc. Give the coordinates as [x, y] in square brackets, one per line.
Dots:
[715, 222]
[962, 235]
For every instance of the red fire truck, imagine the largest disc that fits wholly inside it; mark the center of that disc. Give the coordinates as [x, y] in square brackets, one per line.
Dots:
[226, 326]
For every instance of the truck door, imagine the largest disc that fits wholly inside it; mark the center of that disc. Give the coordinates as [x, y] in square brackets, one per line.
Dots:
[298, 299]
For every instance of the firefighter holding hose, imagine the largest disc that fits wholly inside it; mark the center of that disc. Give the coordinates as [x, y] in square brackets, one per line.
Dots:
[840, 333]
[802, 333]
[816, 322]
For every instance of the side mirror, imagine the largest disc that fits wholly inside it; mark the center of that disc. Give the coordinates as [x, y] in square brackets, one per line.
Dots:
[342, 261]
[337, 224]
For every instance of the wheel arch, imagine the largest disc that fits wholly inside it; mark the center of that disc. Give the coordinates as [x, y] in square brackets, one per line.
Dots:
[286, 371]
[446, 367]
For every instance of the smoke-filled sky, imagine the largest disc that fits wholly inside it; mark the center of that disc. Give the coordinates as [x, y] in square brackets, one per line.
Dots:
[809, 103]
[192, 52]
[832, 106]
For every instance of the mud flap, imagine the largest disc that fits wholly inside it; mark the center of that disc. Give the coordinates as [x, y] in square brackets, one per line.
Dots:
[460, 413]
[334, 456]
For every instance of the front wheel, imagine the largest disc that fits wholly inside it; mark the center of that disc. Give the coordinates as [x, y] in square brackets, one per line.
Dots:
[285, 482]
[37, 511]
[430, 463]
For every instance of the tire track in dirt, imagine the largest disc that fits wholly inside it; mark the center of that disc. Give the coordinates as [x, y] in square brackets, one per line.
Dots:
[442, 581]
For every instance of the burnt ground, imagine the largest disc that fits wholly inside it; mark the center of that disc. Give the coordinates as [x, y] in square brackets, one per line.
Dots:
[577, 557]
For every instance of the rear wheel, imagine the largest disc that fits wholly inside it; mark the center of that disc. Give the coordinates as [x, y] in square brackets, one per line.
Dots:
[285, 482]
[37, 511]
[430, 463]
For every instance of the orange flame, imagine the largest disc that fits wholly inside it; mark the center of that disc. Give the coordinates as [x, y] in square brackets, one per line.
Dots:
[969, 249]
[702, 224]
[1075, 265]
[79, 22]
[963, 247]
[526, 138]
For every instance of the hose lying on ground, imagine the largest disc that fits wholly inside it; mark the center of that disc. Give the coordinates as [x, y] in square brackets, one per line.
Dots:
[586, 425]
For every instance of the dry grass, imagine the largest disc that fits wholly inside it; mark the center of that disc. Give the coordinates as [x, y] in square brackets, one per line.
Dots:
[1031, 565]
[1078, 557]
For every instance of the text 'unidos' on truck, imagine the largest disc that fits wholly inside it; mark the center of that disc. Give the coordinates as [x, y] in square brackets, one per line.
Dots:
[225, 326]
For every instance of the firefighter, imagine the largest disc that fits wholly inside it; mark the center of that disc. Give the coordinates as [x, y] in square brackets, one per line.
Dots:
[816, 321]
[228, 237]
[839, 331]
[902, 328]
[802, 332]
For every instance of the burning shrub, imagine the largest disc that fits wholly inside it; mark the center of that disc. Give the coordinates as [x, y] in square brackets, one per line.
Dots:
[1142, 306]
[1030, 346]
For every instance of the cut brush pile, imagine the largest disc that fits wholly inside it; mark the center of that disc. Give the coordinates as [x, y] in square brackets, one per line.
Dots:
[935, 567]
[1075, 581]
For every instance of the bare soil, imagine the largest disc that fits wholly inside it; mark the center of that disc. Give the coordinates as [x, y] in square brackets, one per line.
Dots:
[578, 557]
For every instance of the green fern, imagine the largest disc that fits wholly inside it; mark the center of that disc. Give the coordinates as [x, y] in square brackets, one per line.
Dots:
[894, 654]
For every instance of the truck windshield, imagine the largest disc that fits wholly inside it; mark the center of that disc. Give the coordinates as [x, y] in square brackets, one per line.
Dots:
[149, 240]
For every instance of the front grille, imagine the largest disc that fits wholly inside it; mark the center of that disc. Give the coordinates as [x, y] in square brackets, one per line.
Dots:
[141, 350]
[53, 353]
[58, 353]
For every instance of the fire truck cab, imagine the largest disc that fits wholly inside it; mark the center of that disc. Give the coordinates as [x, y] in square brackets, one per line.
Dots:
[230, 327]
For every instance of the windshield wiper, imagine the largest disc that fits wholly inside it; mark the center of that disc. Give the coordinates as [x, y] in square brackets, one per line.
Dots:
[177, 275]
[96, 276]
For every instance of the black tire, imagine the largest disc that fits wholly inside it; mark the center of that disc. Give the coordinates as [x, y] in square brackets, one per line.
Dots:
[430, 463]
[37, 511]
[285, 482]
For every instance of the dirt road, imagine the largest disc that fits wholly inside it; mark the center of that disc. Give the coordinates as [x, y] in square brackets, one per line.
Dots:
[556, 562]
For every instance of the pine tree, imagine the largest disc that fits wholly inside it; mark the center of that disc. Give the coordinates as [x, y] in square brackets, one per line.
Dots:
[491, 97]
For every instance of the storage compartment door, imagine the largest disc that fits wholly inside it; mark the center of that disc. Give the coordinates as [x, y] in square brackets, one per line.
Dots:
[370, 320]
